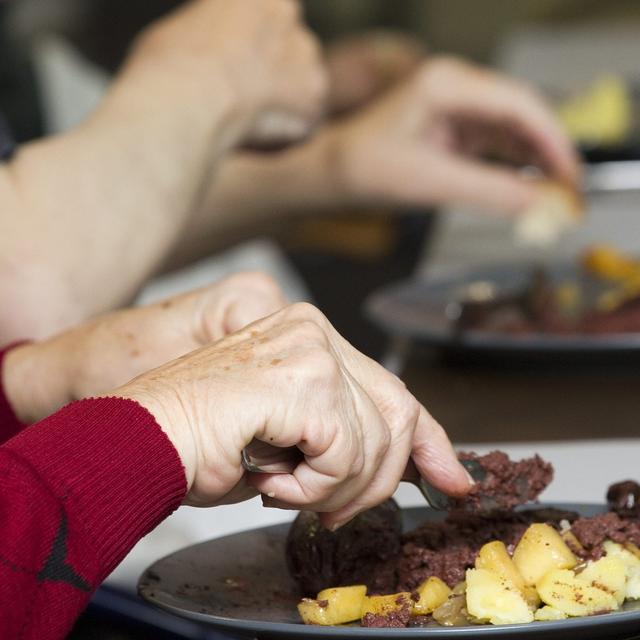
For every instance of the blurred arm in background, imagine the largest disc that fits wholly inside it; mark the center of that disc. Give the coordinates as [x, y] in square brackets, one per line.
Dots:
[426, 140]
[87, 216]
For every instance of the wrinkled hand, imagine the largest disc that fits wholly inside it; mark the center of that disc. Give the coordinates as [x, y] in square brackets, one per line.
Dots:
[425, 142]
[292, 380]
[110, 350]
[257, 49]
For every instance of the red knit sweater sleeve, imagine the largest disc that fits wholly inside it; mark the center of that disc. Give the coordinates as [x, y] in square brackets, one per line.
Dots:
[9, 423]
[78, 490]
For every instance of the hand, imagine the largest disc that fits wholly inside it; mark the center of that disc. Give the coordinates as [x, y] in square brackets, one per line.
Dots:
[259, 51]
[362, 66]
[424, 142]
[291, 380]
[110, 350]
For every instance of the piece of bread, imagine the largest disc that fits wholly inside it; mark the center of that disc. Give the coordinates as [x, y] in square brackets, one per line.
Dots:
[557, 208]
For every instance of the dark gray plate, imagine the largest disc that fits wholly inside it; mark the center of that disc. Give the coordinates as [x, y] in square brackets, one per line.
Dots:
[239, 584]
[418, 309]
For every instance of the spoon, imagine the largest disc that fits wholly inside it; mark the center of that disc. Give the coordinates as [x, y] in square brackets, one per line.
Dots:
[260, 457]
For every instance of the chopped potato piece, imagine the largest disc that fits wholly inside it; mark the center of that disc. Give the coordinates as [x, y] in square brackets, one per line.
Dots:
[338, 605]
[632, 567]
[532, 597]
[540, 550]
[564, 591]
[494, 598]
[549, 613]
[608, 574]
[494, 557]
[633, 583]
[384, 605]
[433, 592]
[629, 546]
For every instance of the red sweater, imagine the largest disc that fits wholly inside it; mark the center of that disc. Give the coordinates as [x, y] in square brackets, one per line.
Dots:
[78, 490]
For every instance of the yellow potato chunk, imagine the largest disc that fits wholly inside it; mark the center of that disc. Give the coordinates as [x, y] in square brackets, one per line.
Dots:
[532, 598]
[540, 550]
[608, 574]
[338, 605]
[495, 599]
[494, 557]
[562, 590]
[631, 564]
[549, 613]
[384, 605]
[433, 592]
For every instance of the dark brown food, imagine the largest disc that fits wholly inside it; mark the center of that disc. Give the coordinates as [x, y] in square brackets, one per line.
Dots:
[361, 552]
[507, 483]
[592, 532]
[536, 310]
[394, 619]
[624, 498]
[358, 553]
[447, 549]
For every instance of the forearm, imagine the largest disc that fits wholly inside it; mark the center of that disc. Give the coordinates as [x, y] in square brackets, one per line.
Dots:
[79, 490]
[87, 216]
[253, 189]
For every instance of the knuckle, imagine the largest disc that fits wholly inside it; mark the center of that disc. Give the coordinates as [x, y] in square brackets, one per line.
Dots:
[321, 366]
[306, 312]
[435, 74]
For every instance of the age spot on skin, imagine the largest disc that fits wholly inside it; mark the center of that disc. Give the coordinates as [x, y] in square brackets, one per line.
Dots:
[167, 304]
[134, 353]
[276, 361]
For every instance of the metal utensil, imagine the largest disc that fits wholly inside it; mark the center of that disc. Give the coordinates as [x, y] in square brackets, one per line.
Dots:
[260, 457]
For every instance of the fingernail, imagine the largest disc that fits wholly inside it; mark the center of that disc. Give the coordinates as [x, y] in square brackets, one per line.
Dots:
[472, 482]
[336, 525]
[271, 494]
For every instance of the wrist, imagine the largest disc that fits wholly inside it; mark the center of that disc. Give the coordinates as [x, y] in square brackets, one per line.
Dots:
[36, 381]
[335, 165]
[184, 92]
[174, 426]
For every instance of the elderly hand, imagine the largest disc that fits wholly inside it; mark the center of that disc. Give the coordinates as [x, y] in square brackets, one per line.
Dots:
[292, 380]
[424, 142]
[110, 350]
[257, 54]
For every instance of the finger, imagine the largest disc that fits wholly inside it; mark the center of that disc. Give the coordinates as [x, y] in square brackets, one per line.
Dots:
[383, 484]
[419, 176]
[331, 477]
[455, 87]
[251, 307]
[436, 460]
[475, 183]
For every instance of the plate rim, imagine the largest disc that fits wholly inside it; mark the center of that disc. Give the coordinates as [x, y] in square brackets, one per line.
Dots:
[376, 303]
[271, 627]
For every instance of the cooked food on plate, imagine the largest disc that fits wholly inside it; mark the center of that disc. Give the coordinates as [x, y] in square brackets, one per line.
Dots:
[604, 298]
[483, 564]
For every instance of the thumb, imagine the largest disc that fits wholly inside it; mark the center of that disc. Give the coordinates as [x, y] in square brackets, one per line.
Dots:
[251, 305]
[435, 459]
